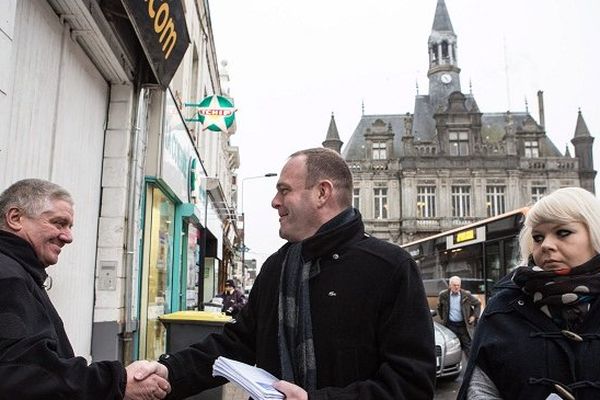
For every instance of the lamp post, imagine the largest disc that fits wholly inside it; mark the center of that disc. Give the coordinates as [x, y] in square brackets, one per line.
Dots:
[267, 175]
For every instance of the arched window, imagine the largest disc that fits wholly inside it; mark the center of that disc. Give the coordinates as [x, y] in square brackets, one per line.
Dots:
[444, 49]
[434, 53]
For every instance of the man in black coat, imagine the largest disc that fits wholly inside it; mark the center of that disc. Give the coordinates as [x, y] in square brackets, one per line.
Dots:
[36, 357]
[233, 299]
[334, 313]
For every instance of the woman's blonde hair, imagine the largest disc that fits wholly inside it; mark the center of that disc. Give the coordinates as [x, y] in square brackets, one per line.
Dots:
[570, 204]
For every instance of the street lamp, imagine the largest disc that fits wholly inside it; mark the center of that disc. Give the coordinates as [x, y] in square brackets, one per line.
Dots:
[268, 175]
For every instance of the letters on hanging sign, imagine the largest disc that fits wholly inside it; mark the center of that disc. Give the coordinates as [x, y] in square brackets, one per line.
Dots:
[160, 26]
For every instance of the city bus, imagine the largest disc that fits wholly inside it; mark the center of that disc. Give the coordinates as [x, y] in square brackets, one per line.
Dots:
[479, 253]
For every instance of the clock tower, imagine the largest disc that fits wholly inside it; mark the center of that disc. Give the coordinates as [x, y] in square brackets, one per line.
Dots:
[443, 71]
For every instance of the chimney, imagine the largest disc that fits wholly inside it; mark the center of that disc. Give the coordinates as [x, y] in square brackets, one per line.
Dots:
[541, 106]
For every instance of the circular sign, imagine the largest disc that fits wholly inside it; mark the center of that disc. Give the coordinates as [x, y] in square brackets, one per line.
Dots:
[216, 113]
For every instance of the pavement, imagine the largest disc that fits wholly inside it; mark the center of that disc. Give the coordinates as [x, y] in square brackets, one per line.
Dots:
[233, 391]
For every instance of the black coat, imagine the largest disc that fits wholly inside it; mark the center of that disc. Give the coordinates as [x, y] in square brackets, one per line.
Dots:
[372, 329]
[524, 353]
[36, 357]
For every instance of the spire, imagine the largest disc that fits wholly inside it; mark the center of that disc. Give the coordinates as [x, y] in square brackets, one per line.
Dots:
[443, 73]
[332, 141]
[581, 129]
[567, 152]
[583, 143]
[441, 22]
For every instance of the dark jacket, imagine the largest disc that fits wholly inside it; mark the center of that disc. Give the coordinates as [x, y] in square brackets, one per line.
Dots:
[524, 353]
[36, 358]
[373, 333]
[233, 302]
[470, 306]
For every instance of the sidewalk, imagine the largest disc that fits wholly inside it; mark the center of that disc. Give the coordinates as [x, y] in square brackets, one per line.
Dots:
[233, 391]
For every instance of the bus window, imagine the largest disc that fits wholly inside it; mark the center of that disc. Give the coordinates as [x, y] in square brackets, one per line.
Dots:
[480, 253]
[465, 262]
[511, 253]
[493, 267]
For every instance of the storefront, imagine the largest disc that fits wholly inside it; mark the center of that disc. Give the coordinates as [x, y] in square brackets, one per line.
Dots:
[181, 232]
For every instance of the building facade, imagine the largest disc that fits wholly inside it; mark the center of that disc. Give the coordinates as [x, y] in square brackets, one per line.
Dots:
[92, 99]
[448, 163]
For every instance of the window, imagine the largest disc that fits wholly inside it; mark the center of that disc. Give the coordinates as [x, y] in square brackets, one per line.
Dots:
[379, 151]
[495, 200]
[537, 192]
[444, 49]
[461, 201]
[425, 201]
[356, 199]
[459, 143]
[532, 149]
[380, 199]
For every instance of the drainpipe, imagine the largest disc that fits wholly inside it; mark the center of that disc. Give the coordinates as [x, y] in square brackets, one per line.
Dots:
[133, 196]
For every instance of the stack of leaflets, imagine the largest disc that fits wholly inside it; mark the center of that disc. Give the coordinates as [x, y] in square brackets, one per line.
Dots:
[256, 381]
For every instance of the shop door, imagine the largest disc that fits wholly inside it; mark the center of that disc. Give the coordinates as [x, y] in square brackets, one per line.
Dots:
[158, 264]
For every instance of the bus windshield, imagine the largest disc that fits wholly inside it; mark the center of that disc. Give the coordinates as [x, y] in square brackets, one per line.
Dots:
[479, 253]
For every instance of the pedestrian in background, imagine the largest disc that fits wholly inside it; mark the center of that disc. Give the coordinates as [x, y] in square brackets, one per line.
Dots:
[539, 335]
[459, 310]
[36, 357]
[335, 313]
[233, 299]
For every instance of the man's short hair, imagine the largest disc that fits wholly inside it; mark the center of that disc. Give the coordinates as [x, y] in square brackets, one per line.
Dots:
[31, 196]
[323, 163]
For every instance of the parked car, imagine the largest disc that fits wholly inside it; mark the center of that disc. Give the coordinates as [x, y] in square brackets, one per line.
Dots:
[448, 354]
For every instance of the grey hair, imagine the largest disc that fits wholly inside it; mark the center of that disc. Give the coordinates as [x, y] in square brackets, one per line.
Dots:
[570, 204]
[31, 196]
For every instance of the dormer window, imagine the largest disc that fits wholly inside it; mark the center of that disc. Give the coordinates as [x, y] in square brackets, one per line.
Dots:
[532, 149]
[379, 151]
[459, 143]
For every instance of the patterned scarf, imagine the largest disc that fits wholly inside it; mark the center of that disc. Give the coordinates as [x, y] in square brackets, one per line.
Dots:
[296, 345]
[566, 298]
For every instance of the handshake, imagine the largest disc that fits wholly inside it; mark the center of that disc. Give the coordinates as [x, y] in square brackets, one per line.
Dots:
[147, 380]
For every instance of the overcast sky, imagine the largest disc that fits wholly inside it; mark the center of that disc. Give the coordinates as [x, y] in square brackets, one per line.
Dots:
[293, 63]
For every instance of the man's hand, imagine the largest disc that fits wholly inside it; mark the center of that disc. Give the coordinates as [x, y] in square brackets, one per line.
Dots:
[291, 391]
[147, 380]
[471, 319]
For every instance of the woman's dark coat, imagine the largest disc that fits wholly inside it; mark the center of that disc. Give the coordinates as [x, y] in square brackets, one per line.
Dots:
[372, 328]
[36, 358]
[525, 354]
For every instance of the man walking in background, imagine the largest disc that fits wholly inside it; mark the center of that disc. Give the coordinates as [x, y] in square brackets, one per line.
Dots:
[233, 299]
[459, 310]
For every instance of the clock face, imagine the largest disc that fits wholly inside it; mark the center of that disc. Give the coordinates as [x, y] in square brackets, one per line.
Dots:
[446, 78]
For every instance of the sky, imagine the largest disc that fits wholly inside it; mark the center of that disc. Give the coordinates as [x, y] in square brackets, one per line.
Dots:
[294, 63]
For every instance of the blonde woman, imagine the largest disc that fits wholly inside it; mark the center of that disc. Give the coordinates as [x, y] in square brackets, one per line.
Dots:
[539, 336]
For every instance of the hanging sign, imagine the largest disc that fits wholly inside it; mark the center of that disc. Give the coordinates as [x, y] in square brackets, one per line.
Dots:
[216, 113]
[160, 26]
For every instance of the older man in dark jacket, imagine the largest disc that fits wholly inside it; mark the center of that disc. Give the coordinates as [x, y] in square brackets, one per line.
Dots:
[334, 313]
[36, 358]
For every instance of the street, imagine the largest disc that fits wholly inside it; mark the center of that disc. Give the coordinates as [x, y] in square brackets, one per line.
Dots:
[448, 389]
